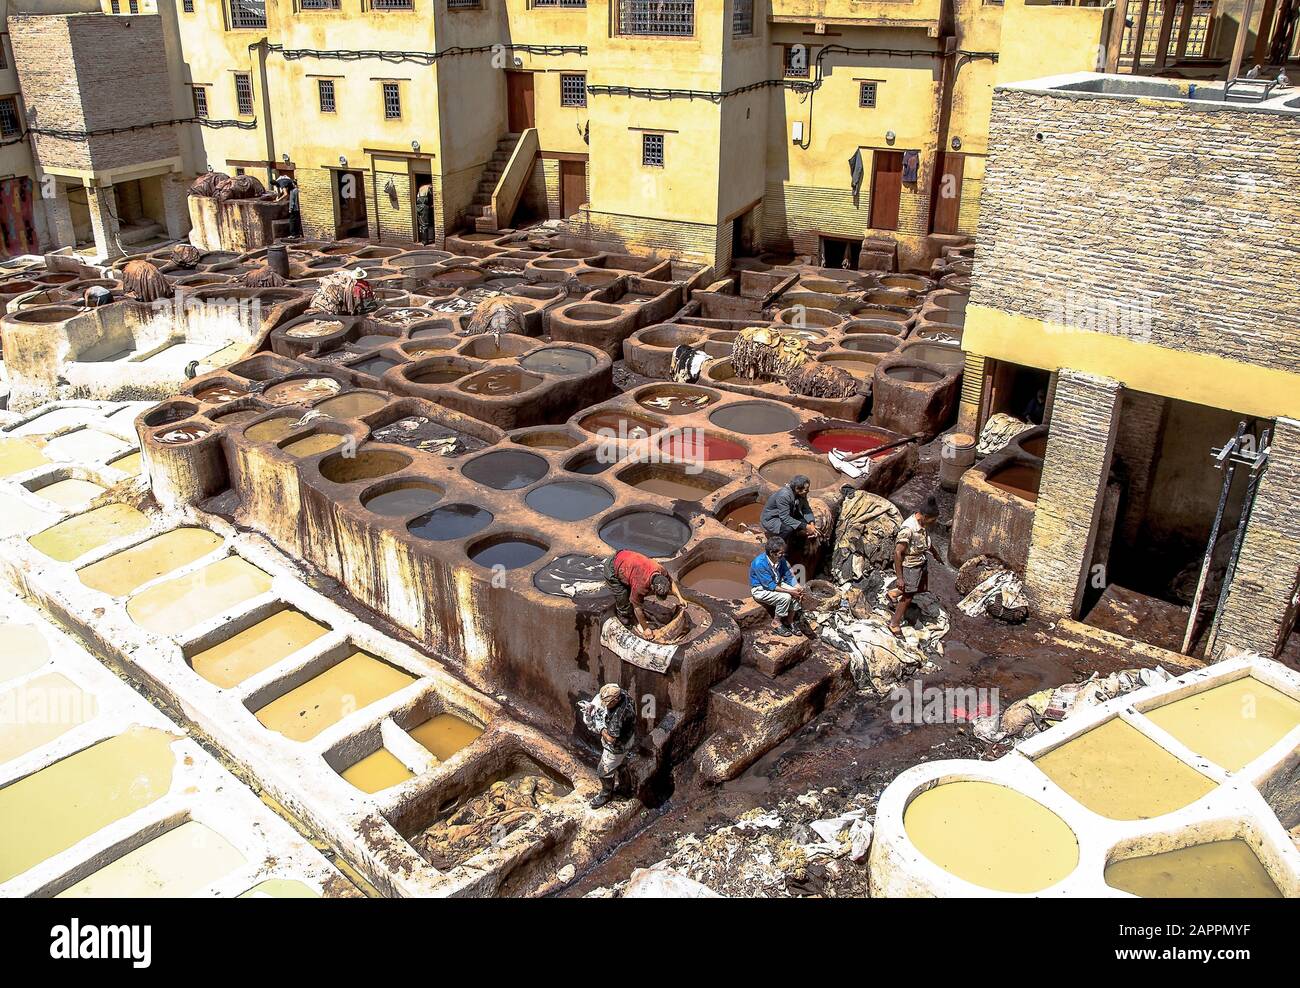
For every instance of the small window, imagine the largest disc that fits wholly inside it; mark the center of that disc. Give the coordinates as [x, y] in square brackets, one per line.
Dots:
[867, 95]
[387, 4]
[244, 94]
[573, 89]
[392, 101]
[200, 94]
[652, 150]
[325, 87]
[134, 7]
[559, 3]
[463, 4]
[796, 59]
[10, 125]
[742, 18]
[239, 171]
[115, 7]
[187, 6]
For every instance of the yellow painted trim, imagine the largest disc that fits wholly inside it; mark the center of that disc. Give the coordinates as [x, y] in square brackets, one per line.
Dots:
[1205, 379]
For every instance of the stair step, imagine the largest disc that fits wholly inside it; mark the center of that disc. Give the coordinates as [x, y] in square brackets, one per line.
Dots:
[485, 224]
[771, 654]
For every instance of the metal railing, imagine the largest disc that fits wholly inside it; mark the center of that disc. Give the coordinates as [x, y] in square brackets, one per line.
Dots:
[247, 13]
[392, 4]
[559, 3]
[318, 4]
[662, 18]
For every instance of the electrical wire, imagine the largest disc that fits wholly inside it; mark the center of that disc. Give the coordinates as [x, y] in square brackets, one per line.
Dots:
[82, 135]
[421, 57]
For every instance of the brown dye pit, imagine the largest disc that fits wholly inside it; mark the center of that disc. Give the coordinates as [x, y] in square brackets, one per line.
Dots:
[1018, 479]
[744, 517]
[375, 367]
[755, 418]
[368, 464]
[499, 382]
[453, 521]
[258, 647]
[321, 442]
[647, 532]
[558, 360]
[933, 353]
[569, 500]
[301, 390]
[783, 468]
[356, 682]
[438, 375]
[671, 482]
[1225, 869]
[315, 328]
[914, 375]
[871, 343]
[407, 499]
[863, 366]
[219, 394]
[724, 579]
[272, 430]
[372, 341]
[506, 469]
[1035, 446]
[547, 440]
[352, 405]
[619, 424]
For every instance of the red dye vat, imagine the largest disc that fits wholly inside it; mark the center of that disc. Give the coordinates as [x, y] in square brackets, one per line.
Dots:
[693, 445]
[855, 441]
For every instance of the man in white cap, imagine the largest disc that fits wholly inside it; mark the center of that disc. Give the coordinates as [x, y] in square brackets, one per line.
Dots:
[612, 713]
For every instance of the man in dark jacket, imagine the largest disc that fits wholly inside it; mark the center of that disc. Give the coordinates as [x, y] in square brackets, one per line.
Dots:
[788, 514]
[612, 712]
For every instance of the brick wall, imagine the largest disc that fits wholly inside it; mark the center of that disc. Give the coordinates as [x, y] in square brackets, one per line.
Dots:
[316, 202]
[1177, 219]
[794, 215]
[391, 218]
[1256, 602]
[1075, 469]
[640, 235]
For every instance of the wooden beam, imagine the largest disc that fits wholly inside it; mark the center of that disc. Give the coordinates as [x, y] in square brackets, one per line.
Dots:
[1139, 35]
[1166, 32]
[1115, 42]
[1185, 28]
[1239, 46]
[1265, 35]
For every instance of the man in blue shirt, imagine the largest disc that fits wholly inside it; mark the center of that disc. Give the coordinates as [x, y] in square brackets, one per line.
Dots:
[772, 584]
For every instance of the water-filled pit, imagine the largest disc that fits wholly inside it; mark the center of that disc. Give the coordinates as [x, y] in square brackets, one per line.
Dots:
[257, 648]
[647, 532]
[350, 684]
[569, 500]
[452, 521]
[754, 418]
[506, 469]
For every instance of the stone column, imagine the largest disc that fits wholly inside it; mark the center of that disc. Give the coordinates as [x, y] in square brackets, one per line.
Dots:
[176, 206]
[103, 219]
[1070, 496]
[58, 219]
[1255, 603]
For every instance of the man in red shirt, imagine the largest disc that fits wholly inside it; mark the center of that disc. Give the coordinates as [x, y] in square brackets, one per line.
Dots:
[631, 577]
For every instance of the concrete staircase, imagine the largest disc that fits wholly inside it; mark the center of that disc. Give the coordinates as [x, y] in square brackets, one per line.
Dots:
[481, 207]
[782, 683]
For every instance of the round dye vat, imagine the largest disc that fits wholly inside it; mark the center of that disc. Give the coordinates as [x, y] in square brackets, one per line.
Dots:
[694, 446]
[438, 375]
[404, 500]
[863, 366]
[507, 553]
[547, 440]
[219, 394]
[455, 521]
[315, 328]
[567, 570]
[672, 482]
[311, 445]
[431, 332]
[1018, 479]
[724, 579]
[744, 517]
[272, 430]
[373, 341]
[619, 424]
[991, 836]
[301, 390]
[500, 382]
[506, 469]
[169, 414]
[352, 405]
[590, 465]
[780, 470]
[180, 436]
[935, 353]
[365, 465]
[871, 343]
[646, 532]
[853, 441]
[562, 361]
[914, 375]
[569, 500]
[676, 401]
[755, 418]
[375, 367]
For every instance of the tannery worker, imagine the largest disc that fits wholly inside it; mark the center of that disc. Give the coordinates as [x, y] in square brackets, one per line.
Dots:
[911, 568]
[631, 577]
[612, 714]
[424, 213]
[289, 188]
[788, 514]
[772, 583]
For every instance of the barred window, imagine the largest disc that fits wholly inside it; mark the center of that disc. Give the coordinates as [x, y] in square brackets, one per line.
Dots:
[10, 124]
[247, 13]
[652, 150]
[392, 101]
[318, 4]
[392, 4]
[796, 59]
[867, 95]
[657, 17]
[463, 4]
[200, 94]
[134, 7]
[115, 7]
[187, 6]
[742, 18]
[559, 3]
[573, 89]
[244, 94]
[326, 89]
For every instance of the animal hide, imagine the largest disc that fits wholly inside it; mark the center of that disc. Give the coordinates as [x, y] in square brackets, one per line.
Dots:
[206, 184]
[687, 363]
[144, 282]
[495, 316]
[185, 255]
[817, 380]
[761, 351]
[263, 277]
[238, 187]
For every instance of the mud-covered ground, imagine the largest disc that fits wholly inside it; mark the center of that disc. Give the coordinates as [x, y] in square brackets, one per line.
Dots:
[746, 837]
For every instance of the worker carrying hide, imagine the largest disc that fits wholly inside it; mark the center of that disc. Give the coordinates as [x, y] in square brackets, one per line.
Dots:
[631, 577]
[611, 713]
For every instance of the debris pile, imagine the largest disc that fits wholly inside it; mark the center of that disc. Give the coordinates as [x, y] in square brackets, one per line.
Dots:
[475, 824]
[856, 622]
[1039, 711]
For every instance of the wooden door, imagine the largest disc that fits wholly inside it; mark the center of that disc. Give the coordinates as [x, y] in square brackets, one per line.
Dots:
[573, 187]
[519, 101]
[886, 187]
[947, 196]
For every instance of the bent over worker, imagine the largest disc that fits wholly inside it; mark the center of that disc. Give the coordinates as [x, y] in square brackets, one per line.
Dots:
[631, 577]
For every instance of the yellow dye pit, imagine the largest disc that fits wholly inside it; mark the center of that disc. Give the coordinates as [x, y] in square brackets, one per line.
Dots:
[19, 455]
[312, 445]
[1232, 724]
[70, 493]
[39, 711]
[1117, 772]
[377, 772]
[991, 836]
[23, 649]
[181, 862]
[128, 464]
[49, 811]
[445, 734]
[347, 686]
[176, 605]
[1223, 869]
[125, 571]
[257, 647]
[76, 536]
[86, 444]
[280, 888]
